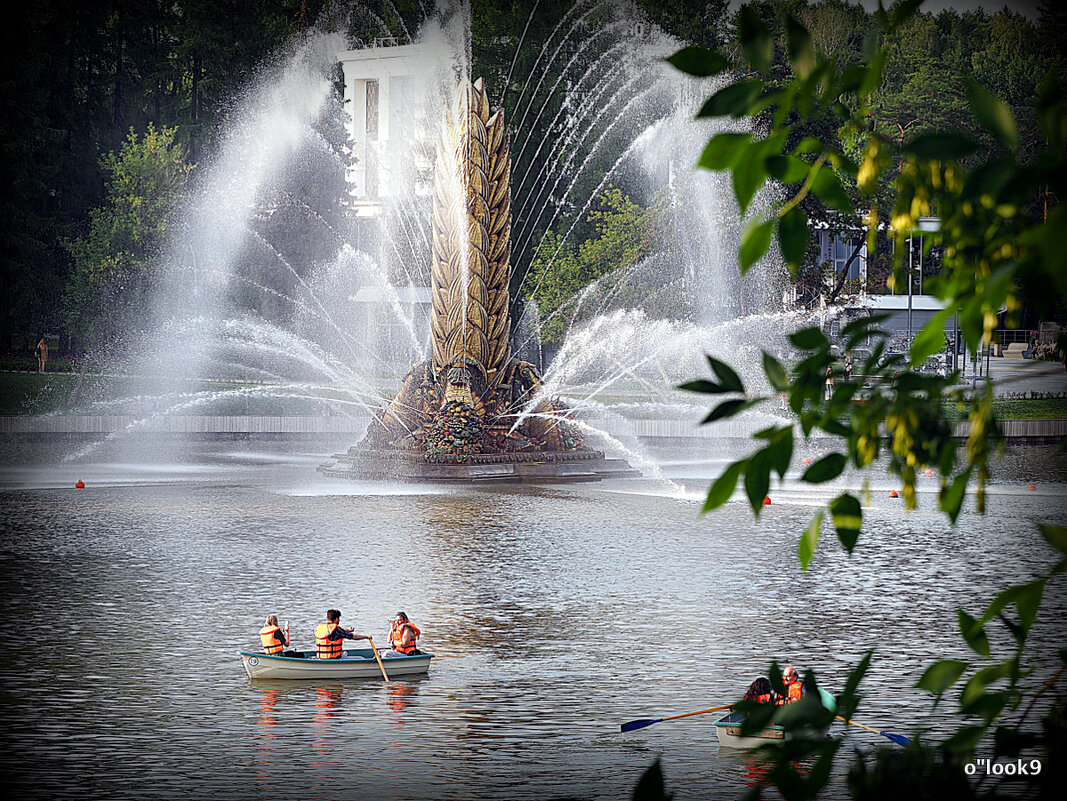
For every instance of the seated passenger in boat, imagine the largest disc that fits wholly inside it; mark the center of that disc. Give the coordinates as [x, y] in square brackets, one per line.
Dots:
[760, 691]
[794, 688]
[403, 637]
[330, 637]
[275, 639]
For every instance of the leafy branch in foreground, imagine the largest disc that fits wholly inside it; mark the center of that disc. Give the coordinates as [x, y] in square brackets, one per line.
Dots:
[998, 245]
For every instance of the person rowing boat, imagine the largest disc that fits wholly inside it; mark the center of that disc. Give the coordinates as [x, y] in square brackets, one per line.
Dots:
[330, 637]
[761, 691]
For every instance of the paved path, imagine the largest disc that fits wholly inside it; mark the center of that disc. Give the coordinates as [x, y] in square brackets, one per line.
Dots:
[1025, 375]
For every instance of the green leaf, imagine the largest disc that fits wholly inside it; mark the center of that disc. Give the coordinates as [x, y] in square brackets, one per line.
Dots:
[830, 191]
[747, 176]
[801, 55]
[848, 518]
[993, 113]
[1056, 536]
[724, 150]
[861, 328]
[875, 72]
[755, 38]
[977, 684]
[775, 373]
[755, 241]
[787, 169]
[699, 61]
[903, 11]
[793, 237]
[851, 79]
[827, 468]
[810, 339]
[986, 706]
[723, 487]
[729, 380]
[703, 385]
[809, 541]
[808, 144]
[734, 100]
[728, 409]
[650, 786]
[757, 480]
[931, 339]
[951, 496]
[973, 633]
[1025, 597]
[848, 700]
[938, 146]
[780, 451]
[1028, 602]
[941, 675]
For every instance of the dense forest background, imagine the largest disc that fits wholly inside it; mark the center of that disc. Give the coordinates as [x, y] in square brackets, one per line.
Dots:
[106, 105]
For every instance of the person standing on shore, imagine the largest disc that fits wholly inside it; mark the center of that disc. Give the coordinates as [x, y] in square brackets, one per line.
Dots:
[42, 354]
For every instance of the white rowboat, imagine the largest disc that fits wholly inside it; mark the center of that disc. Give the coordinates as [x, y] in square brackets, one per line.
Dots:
[728, 728]
[356, 663]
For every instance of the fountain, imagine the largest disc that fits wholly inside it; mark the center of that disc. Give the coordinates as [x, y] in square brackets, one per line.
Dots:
[474, 411]
[311, 268]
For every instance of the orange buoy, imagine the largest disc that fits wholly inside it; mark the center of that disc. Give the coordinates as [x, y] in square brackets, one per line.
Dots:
[893, 494]
[80, 484]
[807, 460]
[766, 500]
[1032, 487]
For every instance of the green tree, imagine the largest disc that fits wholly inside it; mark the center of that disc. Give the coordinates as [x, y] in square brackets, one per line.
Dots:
[622, 234]
[115, 260]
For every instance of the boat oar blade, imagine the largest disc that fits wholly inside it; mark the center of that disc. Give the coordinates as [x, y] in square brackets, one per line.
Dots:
[638, 724]
[899, 739]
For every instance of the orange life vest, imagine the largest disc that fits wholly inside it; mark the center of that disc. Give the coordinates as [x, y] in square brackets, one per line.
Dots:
[398, 636]
[766, 698]
[326, 648]
[794, 689]
[270, 643]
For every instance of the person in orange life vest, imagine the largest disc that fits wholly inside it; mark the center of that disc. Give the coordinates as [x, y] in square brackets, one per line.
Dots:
[760, 691]
[275, 639]
[403, 637]
[794, 689]
[330, 637]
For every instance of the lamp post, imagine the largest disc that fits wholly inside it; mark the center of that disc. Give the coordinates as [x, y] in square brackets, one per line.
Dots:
[926, 225]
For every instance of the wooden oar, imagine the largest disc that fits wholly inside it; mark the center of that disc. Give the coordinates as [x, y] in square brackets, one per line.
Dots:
[375, 652]
[640, 724]
[899, 739]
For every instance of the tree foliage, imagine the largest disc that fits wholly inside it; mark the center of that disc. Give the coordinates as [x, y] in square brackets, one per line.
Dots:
[622, 234]
[114, 262]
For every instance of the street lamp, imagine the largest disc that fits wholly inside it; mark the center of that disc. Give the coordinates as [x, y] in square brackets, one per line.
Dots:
[926, 225]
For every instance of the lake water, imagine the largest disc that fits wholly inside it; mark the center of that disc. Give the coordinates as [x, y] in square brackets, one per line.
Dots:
[555, 613]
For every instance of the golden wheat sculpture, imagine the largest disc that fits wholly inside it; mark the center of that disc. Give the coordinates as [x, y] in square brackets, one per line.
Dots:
[472, 239]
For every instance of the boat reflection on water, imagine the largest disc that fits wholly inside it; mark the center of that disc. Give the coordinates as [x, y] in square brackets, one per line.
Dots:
[399, 698]
[758, 767]
[268, 712]
[327, 708]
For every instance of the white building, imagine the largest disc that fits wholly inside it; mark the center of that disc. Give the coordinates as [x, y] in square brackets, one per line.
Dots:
[389, 93]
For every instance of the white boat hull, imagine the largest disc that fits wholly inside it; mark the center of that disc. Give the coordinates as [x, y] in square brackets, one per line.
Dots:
[357, 664]
[728, 729]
